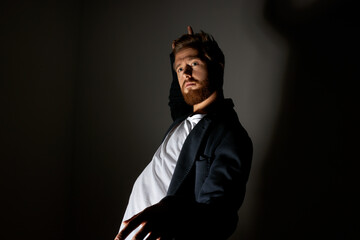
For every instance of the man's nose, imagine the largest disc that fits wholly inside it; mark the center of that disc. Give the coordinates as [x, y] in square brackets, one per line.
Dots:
[187, 71]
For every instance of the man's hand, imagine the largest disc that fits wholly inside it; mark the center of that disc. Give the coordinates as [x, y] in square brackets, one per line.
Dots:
[157, 221]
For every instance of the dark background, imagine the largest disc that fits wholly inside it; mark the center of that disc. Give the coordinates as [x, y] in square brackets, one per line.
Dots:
[84, 87]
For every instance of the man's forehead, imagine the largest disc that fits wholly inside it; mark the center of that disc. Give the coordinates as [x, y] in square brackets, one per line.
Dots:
[186, 53]
[190, 56]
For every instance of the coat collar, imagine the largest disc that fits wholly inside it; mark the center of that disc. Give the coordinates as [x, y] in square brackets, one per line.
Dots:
[193, 142]
[188, 154]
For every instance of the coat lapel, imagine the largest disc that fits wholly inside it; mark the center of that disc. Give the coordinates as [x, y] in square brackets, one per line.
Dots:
[188, 154]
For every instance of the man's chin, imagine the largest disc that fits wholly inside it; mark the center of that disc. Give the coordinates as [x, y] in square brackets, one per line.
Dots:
[193, 97]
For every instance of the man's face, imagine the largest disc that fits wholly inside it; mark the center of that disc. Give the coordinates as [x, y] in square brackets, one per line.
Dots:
[193, 76]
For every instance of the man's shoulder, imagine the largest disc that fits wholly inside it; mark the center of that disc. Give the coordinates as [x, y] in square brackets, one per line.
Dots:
[226, 121]
[224, 113]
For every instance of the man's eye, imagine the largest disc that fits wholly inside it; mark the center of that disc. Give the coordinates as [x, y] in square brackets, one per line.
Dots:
[180, 69]
[194, 64]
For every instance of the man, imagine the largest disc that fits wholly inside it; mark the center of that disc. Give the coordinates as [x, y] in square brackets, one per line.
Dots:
[195, 183]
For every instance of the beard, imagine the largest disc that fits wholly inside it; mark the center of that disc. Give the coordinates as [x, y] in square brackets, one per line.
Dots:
[193, 97]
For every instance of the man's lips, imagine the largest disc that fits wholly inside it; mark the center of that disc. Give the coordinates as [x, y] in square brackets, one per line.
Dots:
[189, 83]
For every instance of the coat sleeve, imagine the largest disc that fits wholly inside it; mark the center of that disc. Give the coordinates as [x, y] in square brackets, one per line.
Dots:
[223, 189]
[229, 164]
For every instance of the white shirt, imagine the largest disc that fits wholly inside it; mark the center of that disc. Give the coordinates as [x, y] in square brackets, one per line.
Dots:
[152, 184]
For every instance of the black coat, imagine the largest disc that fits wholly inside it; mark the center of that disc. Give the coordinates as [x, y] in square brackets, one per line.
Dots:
[210, 177]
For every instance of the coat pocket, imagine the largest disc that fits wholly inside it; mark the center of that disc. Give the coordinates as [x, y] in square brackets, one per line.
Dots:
[202, 171]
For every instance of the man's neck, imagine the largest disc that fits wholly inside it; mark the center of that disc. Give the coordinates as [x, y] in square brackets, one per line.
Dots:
[203, 106]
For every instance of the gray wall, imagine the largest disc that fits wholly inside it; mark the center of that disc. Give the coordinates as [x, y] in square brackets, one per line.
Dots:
[84, 87]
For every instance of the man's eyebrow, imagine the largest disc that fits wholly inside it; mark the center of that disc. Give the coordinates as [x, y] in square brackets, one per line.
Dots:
[191, 57]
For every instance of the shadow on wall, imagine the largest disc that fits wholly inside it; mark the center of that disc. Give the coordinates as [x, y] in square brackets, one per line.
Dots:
[308, 189]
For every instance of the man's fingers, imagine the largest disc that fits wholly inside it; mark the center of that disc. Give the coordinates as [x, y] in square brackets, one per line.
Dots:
[130, 225]
[142, 233]
[190, 31]
[153, 236]
[118, 237]
[130, 219]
